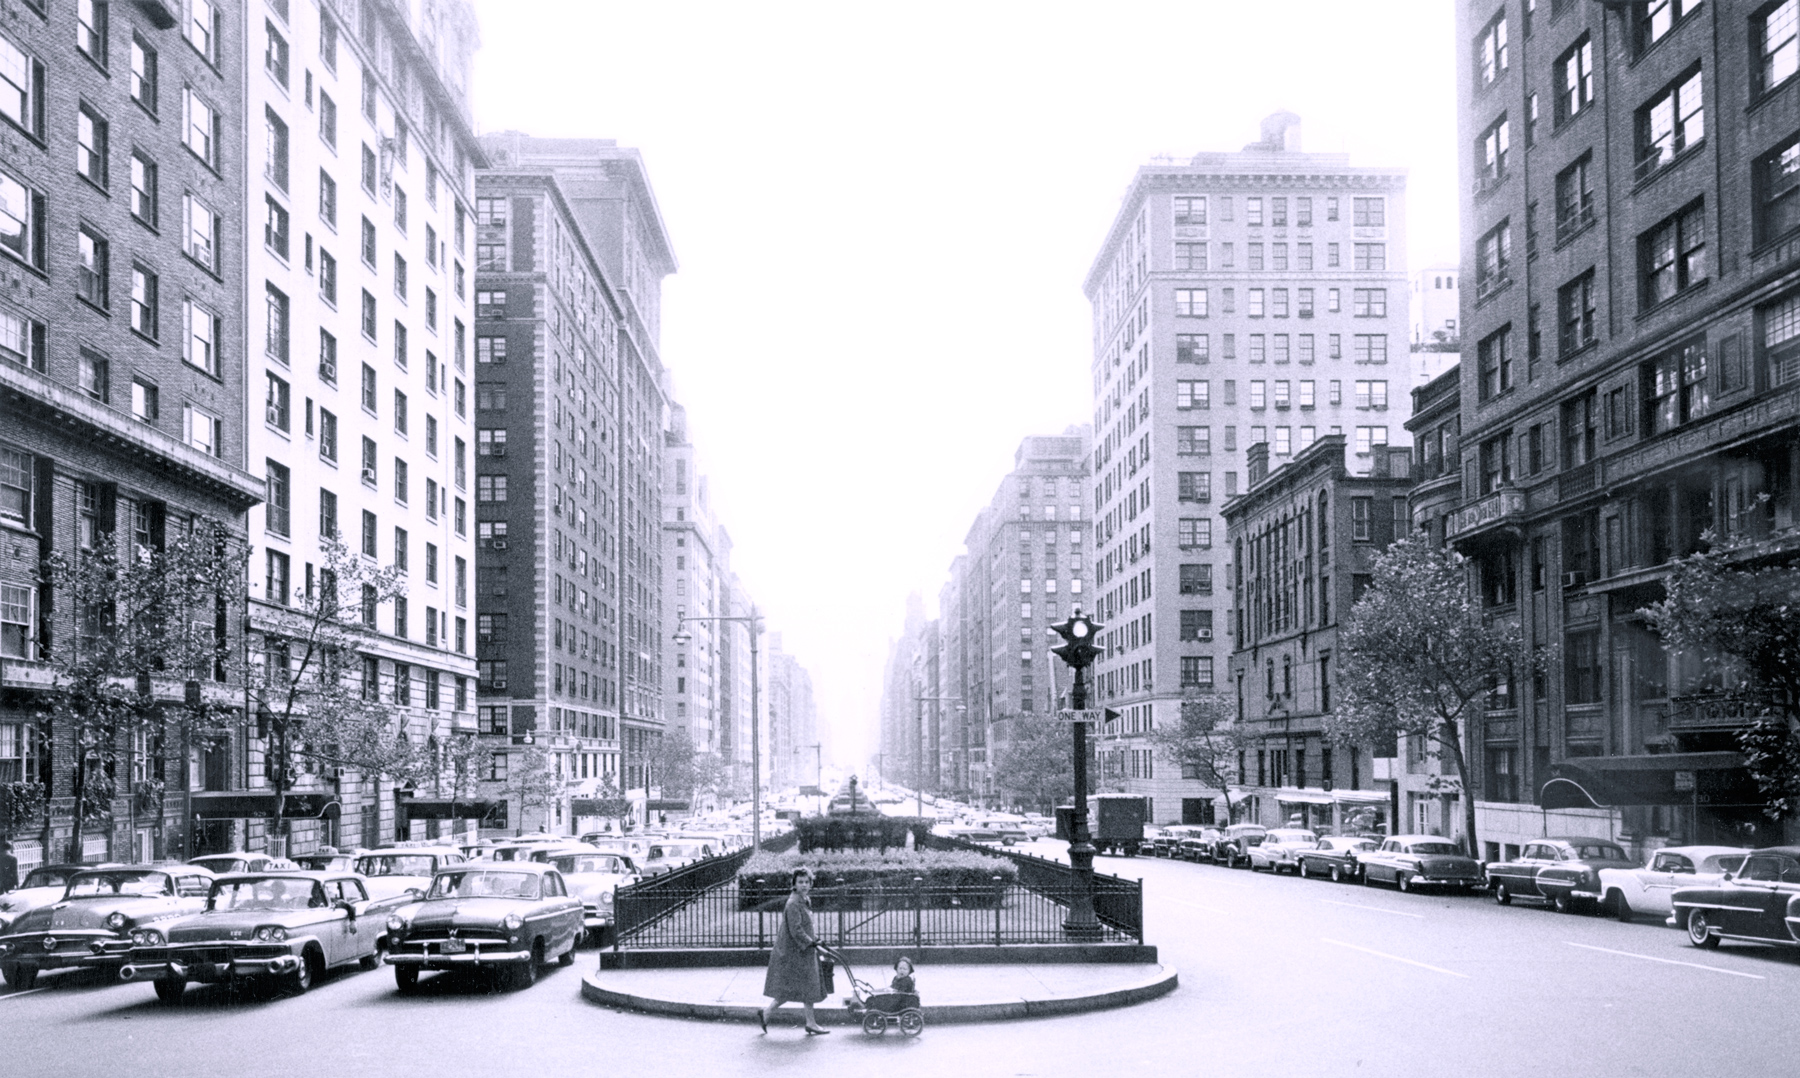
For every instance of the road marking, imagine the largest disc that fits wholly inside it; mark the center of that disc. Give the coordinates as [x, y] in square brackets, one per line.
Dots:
[26, 992]
[1194, 905]
[1371, 909]
[1395, 957]
[1668, 961]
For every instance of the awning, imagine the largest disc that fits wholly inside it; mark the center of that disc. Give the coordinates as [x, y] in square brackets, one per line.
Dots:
[1303, 797]
[260, 805]
[1673, 778]
[1361, 797]
[422, 808]
[660, 804]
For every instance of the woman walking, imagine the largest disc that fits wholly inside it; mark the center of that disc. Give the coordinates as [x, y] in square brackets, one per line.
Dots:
[794, 961]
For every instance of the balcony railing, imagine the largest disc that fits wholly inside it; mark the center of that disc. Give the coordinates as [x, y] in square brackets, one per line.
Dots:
[1501, 507]
[1696, 712]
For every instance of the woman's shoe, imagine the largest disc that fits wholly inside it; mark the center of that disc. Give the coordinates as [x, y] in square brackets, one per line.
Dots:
[821, 1031]
[762, 1019]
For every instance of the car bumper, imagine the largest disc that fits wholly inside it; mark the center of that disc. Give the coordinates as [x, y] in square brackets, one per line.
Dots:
[97, 954]
[597, 920]
[458, 961]
[211, 972]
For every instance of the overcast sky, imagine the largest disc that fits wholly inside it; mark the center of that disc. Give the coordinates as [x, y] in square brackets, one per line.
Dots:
[883, 214]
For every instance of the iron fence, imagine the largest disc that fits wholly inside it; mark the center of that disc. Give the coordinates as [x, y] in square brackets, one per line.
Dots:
[1118, 903]
[659, 897]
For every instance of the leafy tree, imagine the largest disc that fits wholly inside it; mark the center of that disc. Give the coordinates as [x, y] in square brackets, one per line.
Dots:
[533, 776]
[319, 702]
[1417, 659]
[1033, 766]
[672, 763]
[1206, 743]
[1741, 617]
[138, 617]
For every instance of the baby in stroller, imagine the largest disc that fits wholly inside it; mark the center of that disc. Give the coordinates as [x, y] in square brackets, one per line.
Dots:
[897, 1005]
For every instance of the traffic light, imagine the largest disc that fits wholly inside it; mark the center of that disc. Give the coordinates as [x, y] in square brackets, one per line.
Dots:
[1078, 633]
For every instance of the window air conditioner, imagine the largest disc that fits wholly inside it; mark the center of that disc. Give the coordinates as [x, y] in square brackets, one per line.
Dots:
[499, 544]
[1205, 634]
[1574, 580]
[368, 475]
[499, 451]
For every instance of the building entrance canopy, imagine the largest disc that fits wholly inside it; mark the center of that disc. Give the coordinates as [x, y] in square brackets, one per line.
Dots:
[1677, 778]
[260, 805]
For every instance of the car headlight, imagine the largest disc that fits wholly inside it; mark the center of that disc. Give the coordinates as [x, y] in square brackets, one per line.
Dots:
[513, 921]
[117, 922]
[396, 924]
[271, 934]
[147, 937]
[606, 898]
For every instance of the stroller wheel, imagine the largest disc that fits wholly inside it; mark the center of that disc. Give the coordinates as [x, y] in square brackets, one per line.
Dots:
[874, 1023]
[912, 1021]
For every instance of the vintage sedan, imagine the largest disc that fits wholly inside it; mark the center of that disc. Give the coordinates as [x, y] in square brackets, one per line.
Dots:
[667, 855]
[287, 927]
[328, 860]
[1626, 893]
[91, 925]
[1337, 856]
[1760, 904]
[221, 863]
[593, 877]
[1409, 861]
[1560, 871]
[391, 873]
[41, 886]
[506, 916]
[1232, 847]
[1280, 849]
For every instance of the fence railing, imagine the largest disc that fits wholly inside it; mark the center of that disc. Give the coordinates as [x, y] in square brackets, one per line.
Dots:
[1118, 903]
[747, 913]
[642, 904]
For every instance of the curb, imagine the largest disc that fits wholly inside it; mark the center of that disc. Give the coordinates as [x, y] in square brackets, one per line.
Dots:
[1161, 983]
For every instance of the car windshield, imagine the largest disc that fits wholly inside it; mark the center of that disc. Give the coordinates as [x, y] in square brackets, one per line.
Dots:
[102, 884]
[1594, 851]
[222, 864]
[397, 864]
[582, 862]
[1291, 836]
[1434, 847]
[475, 884]
[266, 893]
[47, 877]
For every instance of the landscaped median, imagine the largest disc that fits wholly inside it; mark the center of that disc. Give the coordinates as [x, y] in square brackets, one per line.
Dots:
[878, 879]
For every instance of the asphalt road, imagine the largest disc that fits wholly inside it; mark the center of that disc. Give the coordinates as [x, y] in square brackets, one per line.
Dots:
[1280, 977]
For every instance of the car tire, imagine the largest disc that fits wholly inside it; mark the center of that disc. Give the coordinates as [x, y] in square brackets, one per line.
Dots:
[1562, 903]
[406, 979]
[372, 960]
[567, 958]
[1403, 881]
[1337, 874]
[297, 982]
[169, 989]
[1619, 907]
[525, 974]
[20, 977]
[1502, 895]
[1699, 930]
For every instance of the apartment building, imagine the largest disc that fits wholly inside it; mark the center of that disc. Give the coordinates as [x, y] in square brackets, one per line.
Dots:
[1239, 299]
[570, 252]
[122, 376]
[1634, 261]
[1304, 539]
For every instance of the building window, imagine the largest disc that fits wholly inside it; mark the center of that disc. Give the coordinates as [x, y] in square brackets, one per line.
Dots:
[1491, 50]
[90, 29]
[275, 578]
[1574, 80]
[201, 347]
[1575, 315]
[1192, 347]
[1196, 580]
[1196, 671]
[1575, 197]
[368, 316]
[327, 199]
[1673, 122]
[200, 131]
[328, 514]
[1496, 463]
[275, 227]
[1193, 441]
[1371, 347]
[328, 435]
[275, 149]
[143, 189]
[1371, 393]
[18, 636]
[275, 403]
[327, 119]
[1491, 153]
[1370, 438]
[17, 469]
[91, 133]
[368, 537]
[1190, 210]
[202, 244]
[1582, 673]
[95, 375]
[276, 508]
[1672, 256]
[1579, 432]
[92, 276]
[1190, 257]
[1194, 533]
[1674, 387]
[1190, 302]
[1778, 53]
[1190, 394]
[145, 400]
[1495, 362]
[205, 432]
[369, 453]
[275, 339]
[21, 88]
[490, 488]
[144, 285]
[1493, 267]
[1194, 486]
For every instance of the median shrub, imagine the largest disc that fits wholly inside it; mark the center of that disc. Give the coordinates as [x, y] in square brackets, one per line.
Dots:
[860, 832]
[856, 880]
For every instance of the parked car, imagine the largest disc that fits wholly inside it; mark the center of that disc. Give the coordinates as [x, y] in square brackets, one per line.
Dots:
[1560, 871]
[1337, 856]
[634, 847]
[40, 887]
[667, 855]
[221, 863]
[594, 877]
[1409, 861]
[1037, 825]
[288, 927]
[391, 872]
[91, 926]
[1279, 848]
[1626, 893]
[1199, 844]
[483, 915]
[1233, 844]
[328, 860]
[1011, 834]
[1760, 903]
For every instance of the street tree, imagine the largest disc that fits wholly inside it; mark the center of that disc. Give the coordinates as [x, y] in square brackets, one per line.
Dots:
[534, 777]
[1740, 617]
[139, 616]
[1034, 766]
[318, 701]
[1417, 659]
[1206, 742]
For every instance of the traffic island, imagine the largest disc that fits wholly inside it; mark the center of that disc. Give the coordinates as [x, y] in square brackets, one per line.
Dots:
[950, 993]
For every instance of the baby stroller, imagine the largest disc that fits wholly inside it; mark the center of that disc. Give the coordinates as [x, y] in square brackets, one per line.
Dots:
[882, 1009]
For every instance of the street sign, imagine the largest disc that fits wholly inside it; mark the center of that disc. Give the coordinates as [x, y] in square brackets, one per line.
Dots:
[1684, 782]
[1092, 714]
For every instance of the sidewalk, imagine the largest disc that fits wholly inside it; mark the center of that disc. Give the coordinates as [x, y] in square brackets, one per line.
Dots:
[984, 993]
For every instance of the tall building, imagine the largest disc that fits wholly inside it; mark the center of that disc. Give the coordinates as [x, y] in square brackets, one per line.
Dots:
[360, 170]
[570, 252]
[692, 563]
[122, 369]
[1239, 298]
[795, 755]
[1303, 543]
[1635, 260]
[1435, 306]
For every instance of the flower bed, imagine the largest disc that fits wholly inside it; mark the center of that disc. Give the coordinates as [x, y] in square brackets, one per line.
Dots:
[860, 832]
[892, 879]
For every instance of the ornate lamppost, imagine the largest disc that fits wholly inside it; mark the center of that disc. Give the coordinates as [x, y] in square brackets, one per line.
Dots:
[1079, 652]
[683, 637]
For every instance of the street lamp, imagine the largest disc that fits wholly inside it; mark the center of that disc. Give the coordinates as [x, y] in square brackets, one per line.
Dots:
[1079, 652]
[919, 744]
[754, 620]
